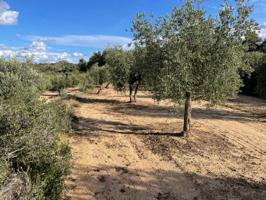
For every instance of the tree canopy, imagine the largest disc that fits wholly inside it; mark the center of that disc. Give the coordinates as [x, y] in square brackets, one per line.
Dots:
[120, 63]
[191, 56]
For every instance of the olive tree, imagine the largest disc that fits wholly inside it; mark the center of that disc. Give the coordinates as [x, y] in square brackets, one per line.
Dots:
[119, 63]
[189, 56]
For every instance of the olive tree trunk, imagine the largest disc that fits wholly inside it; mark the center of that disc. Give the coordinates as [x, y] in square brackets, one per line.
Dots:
[107, 86]
[100, 89]
[187, 114]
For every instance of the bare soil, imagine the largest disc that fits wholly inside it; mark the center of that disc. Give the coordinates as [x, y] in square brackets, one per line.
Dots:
[133, 151]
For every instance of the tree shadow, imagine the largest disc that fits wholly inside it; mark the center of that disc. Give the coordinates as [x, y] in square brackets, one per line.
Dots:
[96, 127]
[197, 113]
[127, 182]
[144, 110]
[211, 113]
[93, 100]
[164, 111]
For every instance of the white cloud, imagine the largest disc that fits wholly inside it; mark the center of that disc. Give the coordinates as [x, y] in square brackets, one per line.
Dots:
[90, 41]
[38, 45]
[7, 17]
[38, 51]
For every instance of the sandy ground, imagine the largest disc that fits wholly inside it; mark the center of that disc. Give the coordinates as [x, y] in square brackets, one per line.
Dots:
[132, 151]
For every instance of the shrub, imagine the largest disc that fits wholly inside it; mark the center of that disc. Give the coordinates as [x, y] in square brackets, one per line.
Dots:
[96, 76]
[19, 79]
[104, 75]
[60, 81]
[29, 139]
[33, 160]
[86, 82]
[57, 83]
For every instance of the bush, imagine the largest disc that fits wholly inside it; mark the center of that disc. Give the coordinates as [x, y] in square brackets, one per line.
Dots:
[96, 76]
[104, 75]
[34, 160]
[30, 141]
[57, 83]
[19, 79]
[61, 81]
[86, 82]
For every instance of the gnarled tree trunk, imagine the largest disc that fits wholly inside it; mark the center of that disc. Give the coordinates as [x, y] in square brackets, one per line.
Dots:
[187, 114]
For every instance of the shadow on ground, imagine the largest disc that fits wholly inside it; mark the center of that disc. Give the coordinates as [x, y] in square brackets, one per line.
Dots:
[96, 127]
[120, 182]
[93, 100]
[164, 111]
[115, 182]
[197, 113]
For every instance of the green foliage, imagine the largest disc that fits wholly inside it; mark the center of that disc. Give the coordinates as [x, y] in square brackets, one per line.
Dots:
[120, 63]
[61, 81]
[263, 46]
[188, 56]
[254, 59]
[86, 82]
[189, 53]
[59, 75]
[104, 74]
[97, 58]
[4, 171]
[58, 83]
[83, 66]
[18, 79]
[261, 78]
[96, 76]
[58, 67]
[94, 73]
[252, 41]
[30, 131]
[100, 75]
[29, 140]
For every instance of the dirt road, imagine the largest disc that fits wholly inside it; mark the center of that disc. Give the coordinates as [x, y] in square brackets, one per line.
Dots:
[132, 151]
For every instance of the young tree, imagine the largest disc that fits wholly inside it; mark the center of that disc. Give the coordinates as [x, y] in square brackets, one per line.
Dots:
[189, 56]
[104, 77]
[119, 63]
[124, 71]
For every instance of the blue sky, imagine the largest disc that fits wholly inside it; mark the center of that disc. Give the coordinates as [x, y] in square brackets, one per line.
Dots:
[53, 30]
